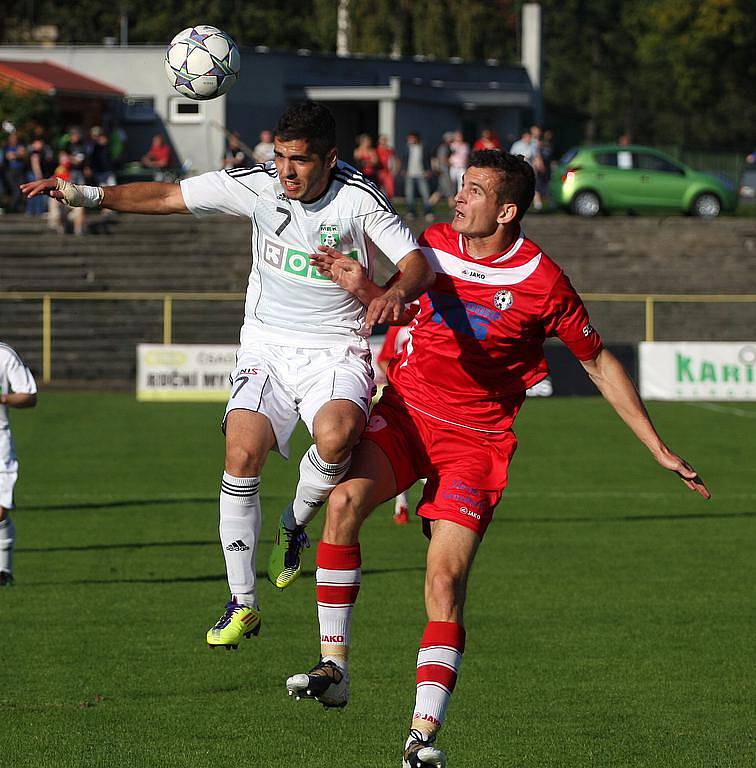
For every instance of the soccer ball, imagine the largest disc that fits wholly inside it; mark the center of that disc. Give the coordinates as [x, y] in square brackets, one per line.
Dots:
[202, 62]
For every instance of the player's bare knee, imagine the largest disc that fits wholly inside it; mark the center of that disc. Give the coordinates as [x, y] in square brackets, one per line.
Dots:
[335, 443]
[343, 517]
[444, 594]
[242, 461]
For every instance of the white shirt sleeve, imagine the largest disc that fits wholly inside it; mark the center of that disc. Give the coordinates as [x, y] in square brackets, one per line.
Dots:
[390, 234]
[219, 192]
[20, 377]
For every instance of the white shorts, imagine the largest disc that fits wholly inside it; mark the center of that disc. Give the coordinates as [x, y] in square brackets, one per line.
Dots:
[7, 482]
[289, 383]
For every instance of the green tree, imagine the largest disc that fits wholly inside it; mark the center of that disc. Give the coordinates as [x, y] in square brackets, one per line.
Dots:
[24, 110]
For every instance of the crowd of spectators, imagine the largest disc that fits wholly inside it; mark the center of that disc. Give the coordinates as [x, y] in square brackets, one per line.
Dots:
[426, 174]
[433, 173]
[91, 158]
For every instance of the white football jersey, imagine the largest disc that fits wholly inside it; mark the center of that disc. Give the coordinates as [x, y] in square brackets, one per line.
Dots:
[288, 302]
[14, 377]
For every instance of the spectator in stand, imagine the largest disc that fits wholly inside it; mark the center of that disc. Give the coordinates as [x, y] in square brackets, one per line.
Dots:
[366, 158]
[460, 153]
[386, 166]
[158, 156]
[74, 146]
[529, 147]
[41, 165]
[524, 146]
[236, 155]
[4, 197]
[100, 162]
[100, 159]
[539, 167]
[264, 148]
[543, 173]
[487, 140]
[59, 213]
[440, 166]
[416, 176]
[117, 144]
[15, 161]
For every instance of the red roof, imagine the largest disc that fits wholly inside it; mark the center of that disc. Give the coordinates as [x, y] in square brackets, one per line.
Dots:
[51, 78]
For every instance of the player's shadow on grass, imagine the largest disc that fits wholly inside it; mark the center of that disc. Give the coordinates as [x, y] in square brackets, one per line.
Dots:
[129, 545]
[120, 503]
[214, 577]
[620, 518]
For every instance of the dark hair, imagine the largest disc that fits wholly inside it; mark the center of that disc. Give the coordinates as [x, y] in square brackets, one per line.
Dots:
[312, 122]
[517, 178]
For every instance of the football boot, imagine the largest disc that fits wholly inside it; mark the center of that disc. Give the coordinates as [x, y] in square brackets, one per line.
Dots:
[419, 752]
[326, 683]
[285, 562]
[237, 621]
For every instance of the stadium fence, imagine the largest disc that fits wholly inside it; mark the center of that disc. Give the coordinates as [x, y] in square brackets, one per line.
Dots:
[166, 302]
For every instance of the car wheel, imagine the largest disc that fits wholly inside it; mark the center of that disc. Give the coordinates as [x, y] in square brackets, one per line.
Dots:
[706, 206]
[586, 203]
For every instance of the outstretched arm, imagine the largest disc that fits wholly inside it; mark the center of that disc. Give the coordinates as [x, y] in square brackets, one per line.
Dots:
[608, 374]
[142, 197]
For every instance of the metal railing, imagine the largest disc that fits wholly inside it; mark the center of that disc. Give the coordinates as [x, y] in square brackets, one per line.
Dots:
[649, 300]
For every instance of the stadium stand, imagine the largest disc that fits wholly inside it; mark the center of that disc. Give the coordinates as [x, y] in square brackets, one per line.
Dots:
[95, 340]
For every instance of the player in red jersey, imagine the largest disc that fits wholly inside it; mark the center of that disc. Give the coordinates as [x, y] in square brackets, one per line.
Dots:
[475, 346]
[394, 343]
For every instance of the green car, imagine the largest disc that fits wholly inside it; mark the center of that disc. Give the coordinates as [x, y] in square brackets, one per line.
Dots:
[592, 180]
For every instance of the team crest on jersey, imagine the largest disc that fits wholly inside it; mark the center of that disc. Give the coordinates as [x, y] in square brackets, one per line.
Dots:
[503, 300]
[329, 235]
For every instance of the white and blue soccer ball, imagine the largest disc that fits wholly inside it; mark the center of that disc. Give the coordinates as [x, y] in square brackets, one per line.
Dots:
[202, 62]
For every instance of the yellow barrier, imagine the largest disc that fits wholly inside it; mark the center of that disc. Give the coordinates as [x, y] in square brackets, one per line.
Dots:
[649, 300]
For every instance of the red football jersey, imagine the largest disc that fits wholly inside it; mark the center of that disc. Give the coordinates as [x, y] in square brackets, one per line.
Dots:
[396, 340]
[476, 344]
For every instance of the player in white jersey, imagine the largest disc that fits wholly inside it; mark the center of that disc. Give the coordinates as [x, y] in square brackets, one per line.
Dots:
[17, 390]
[303, 353]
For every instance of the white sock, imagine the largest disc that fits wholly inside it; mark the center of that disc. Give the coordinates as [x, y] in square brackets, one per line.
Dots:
[317, 478]
[239, 532]
[7, 538]
[399, 502]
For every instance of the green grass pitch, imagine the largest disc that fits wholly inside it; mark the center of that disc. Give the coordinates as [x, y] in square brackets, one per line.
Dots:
[610, 617]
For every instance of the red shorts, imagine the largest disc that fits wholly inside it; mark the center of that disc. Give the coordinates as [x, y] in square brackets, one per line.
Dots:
[466, 469]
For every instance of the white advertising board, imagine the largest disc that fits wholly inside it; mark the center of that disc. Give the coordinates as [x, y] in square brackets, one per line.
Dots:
[687, 370]
[199, 372]
[188, 372]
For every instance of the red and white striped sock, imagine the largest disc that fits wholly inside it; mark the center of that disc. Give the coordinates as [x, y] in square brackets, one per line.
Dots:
[337, 581]
[437, 664]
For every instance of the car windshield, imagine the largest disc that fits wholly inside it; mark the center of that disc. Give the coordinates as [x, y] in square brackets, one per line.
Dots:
[567, 156]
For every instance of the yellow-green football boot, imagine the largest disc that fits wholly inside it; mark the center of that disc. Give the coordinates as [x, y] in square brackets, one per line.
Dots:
[285, 562]
[236, 622]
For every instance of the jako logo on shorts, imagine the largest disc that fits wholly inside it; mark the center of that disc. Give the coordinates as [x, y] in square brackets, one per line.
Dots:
[294, 261]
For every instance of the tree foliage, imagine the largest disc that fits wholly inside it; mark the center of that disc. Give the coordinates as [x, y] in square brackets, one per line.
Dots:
[23, 110]
[665, 71]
